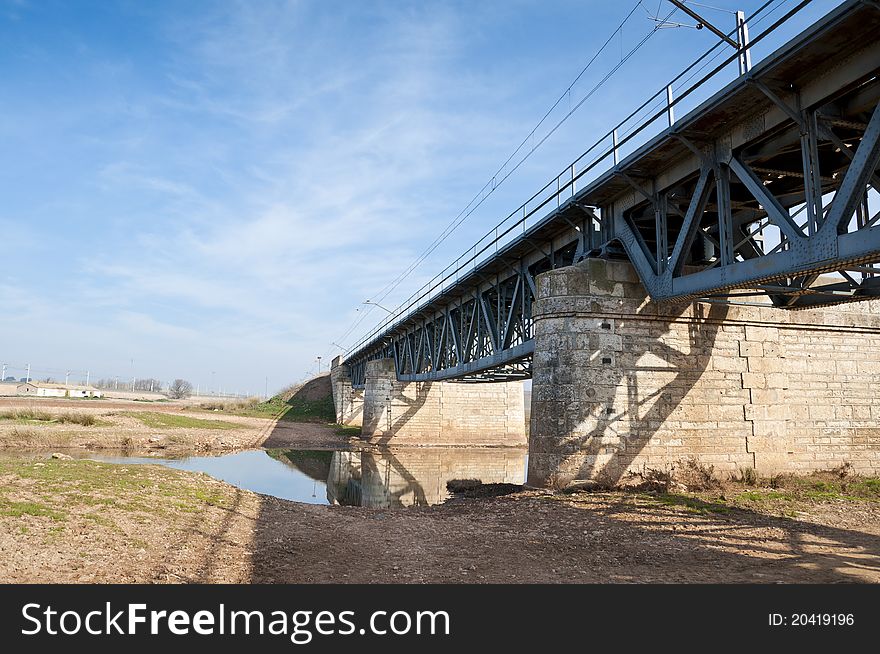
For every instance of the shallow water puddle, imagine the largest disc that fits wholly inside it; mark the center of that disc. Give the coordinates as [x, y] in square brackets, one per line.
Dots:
[385, 478]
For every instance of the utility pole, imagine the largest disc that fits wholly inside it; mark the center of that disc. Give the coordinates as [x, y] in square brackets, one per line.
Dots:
[88, 373]
[3, 376]
[28, 375]
[266, 395]
[66, 377]
[742, 40]
[319, 364]
[742, 33]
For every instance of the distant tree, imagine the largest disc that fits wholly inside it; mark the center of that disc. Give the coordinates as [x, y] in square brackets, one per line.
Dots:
[179, 389]
[148, 385]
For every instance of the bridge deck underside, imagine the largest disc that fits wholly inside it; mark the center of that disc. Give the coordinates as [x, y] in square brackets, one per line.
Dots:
[765, 186]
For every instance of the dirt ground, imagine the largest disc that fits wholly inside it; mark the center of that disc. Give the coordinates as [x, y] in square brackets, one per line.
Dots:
[119, 429]
[83, 521]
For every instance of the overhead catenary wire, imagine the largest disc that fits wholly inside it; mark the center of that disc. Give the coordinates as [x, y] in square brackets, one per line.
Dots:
[636, 129]
[494, 182]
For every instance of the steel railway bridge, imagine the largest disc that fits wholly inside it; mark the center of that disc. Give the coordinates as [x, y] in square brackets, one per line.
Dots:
[763, 186]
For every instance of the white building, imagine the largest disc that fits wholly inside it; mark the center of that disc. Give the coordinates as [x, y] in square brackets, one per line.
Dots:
[45, 389]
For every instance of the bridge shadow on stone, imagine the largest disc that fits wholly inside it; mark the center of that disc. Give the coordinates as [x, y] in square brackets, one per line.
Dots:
[610, 371]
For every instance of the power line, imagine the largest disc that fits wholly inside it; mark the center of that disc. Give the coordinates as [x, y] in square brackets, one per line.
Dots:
[493, 183]
[651, 99]
[490, 186]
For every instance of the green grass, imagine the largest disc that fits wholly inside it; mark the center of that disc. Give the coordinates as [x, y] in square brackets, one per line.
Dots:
[24, 416]
[760, 496]
[311, 410]
[271, 408]
[18, 509]
[177, 421]
[823, 489]
[693, 504]
[57, 486]
[294, 410]
[320, 411]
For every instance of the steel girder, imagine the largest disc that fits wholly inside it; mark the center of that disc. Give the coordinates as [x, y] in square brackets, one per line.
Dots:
[774, 182]
[485, 334]
[773, 213]
[764, 186]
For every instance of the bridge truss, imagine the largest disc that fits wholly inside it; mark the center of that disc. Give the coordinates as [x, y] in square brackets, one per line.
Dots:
[765, 186]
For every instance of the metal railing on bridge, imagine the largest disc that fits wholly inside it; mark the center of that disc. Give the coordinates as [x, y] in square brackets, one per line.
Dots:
[549, 202]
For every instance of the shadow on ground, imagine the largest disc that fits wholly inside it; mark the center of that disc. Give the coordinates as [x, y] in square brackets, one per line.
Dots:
[604, 538]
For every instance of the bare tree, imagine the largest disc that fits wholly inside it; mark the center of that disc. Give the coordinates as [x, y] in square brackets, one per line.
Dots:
[179, 389]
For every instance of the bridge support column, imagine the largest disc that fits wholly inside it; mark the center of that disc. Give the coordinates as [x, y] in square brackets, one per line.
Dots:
[440, 413]
[348, 401]
[622, 384]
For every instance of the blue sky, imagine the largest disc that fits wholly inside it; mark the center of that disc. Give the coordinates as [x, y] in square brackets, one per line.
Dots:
[217, 186]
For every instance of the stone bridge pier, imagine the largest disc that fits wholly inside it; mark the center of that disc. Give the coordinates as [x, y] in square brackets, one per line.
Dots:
[430, 413]
[622, 384]
[348, 401]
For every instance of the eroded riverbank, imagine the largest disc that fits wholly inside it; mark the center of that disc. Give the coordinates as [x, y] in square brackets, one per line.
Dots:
[85, 521]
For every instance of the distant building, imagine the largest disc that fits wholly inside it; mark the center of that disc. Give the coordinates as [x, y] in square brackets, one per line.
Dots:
[45, 389]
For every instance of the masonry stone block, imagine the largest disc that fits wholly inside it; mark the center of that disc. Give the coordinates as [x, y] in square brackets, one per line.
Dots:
[441, 413]
[731, 386]
[348, 401]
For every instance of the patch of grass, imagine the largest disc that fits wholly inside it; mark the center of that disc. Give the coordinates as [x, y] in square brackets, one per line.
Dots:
[824, 487]
[321, 410]
[294, 410]
[18, 509]
[157, 420]
[692, 504]
[35, 415]
[66, 485]
[24, 434]
[759, 496]
[101, 520]
[869, 487]
[231, 406]
[26, 415]
[250, 408]
[347, 430]
[212, 498]
[84, 419]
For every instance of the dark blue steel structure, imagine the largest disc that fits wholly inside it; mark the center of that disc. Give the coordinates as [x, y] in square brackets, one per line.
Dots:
[764, 187]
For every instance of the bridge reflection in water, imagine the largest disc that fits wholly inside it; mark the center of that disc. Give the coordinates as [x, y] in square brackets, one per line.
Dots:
[416, 476]
[399, 477]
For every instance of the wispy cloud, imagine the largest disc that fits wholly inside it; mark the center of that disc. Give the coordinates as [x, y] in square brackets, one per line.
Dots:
[252, 176]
